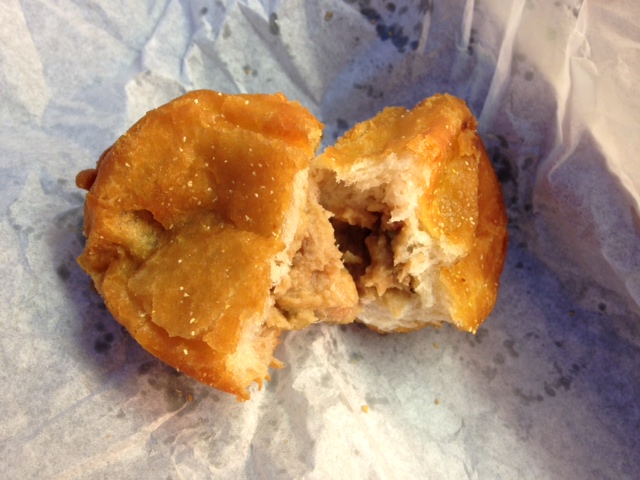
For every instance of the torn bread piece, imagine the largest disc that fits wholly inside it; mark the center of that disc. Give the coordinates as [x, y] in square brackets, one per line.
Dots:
[419, 216]
[205, 240]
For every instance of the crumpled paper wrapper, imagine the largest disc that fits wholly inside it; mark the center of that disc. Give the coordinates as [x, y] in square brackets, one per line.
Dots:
[548, 388]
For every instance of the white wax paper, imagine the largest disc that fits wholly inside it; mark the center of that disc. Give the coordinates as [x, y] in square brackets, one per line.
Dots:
[548, 388]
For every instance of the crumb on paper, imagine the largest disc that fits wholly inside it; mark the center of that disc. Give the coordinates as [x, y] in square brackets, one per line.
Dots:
[365, 408]
[328, 16]
[435, 345]
[437, 401]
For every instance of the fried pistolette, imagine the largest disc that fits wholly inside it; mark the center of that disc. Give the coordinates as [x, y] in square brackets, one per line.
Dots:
[419, 215]
[205, 238]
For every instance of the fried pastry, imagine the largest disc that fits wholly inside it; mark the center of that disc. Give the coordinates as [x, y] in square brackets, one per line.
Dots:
[419, 216]
[211, 228]
[206, 239]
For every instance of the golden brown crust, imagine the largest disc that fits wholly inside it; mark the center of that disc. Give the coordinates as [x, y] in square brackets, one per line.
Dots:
[185, 216]
[472, 283]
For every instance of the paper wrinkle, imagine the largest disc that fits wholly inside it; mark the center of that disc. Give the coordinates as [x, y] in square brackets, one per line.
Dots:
[24, 84]
[165, 50]
[259, 24]
[204, 57]
[618, 52]
[424, 32]
[578, 114]
[572, 97]
[466, 23]
[117, 452]
[502, 72]
[354, 403]
[314, 393]
[36, 431]
[285, 422]
[281, 55]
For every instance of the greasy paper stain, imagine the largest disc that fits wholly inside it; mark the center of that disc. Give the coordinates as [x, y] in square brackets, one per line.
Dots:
[388, 26]
[175, 387]
[63, 272]
[509, 345]
[103, 343]
[274, 28]
[527, 398]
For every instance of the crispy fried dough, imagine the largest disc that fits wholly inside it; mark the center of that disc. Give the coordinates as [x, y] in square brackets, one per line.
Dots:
[419, 216]
[205, 240]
